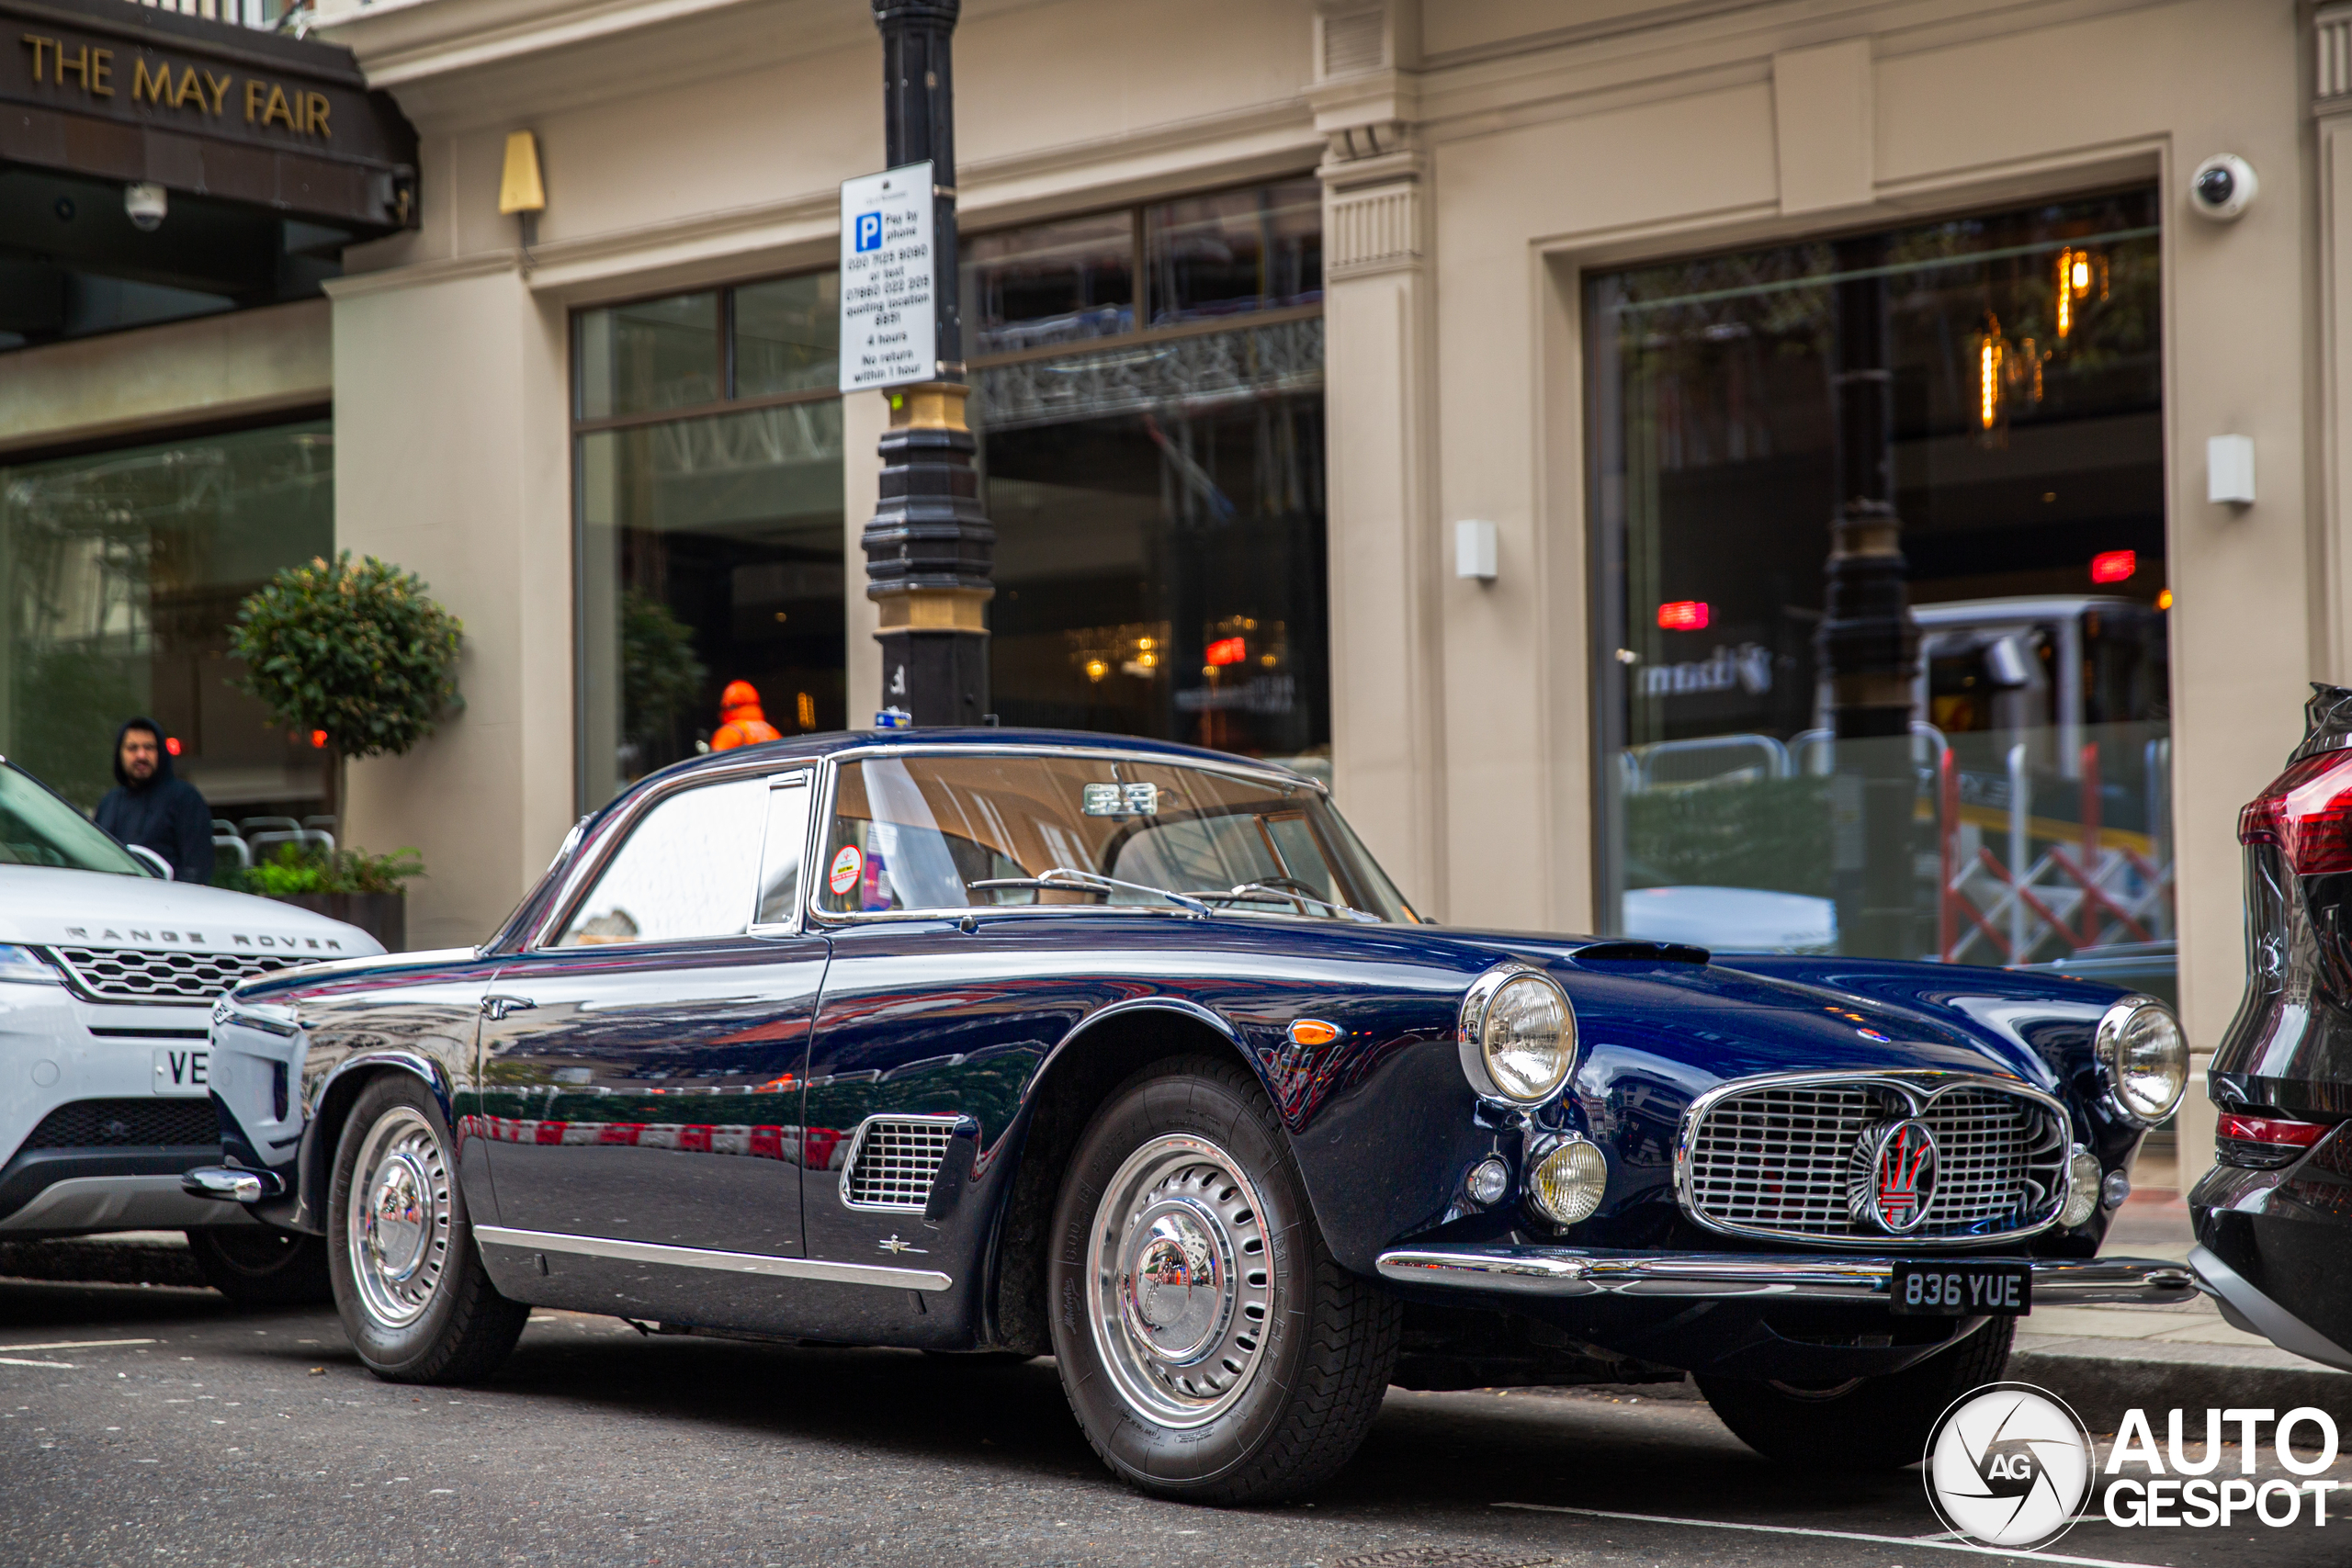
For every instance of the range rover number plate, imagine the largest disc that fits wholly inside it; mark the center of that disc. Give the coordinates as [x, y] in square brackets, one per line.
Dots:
[1961, 1290]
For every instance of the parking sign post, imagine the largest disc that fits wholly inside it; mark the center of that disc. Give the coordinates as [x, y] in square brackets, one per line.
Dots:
[929, 548]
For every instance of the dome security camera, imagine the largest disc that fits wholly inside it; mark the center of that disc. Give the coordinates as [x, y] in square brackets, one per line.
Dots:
[2222, 187]
[146, 203]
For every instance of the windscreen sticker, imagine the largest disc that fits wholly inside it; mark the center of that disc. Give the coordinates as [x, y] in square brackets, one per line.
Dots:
[1121, 800]
[847, 865]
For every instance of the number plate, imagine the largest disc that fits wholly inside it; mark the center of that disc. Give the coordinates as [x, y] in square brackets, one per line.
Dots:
[183, 1069]
[1961, 1290]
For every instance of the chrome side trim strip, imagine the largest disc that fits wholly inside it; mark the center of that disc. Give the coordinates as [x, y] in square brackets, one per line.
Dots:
[725, 1262]
[1561, 1272]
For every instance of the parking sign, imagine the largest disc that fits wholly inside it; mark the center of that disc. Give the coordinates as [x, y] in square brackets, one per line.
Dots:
[888, 336]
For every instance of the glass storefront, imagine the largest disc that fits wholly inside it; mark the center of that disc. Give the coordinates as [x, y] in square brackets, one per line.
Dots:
[709, 493]
[120, 573]
[2022, 350]
[1150, 411]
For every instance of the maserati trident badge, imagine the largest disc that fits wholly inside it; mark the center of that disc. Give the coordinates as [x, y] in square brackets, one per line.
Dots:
[892, 1244]
[1896, 1167]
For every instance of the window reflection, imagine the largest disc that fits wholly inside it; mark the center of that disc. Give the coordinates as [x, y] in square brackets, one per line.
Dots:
[1049, 283]
[1245, 250]
[685, 872]
[656, 353]
[787, 335]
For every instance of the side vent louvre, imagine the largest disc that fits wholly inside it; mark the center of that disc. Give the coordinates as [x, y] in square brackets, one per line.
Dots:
[893, 1160]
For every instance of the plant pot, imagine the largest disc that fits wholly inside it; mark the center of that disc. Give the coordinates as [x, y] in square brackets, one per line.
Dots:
[383, 916]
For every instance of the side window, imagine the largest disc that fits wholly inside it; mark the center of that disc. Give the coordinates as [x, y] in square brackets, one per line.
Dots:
[787, 837]
[688, 870]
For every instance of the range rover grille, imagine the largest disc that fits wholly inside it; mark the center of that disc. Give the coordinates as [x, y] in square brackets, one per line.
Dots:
[162, 974]
[1795, 1160]
[160, 1123]
[893, 1161]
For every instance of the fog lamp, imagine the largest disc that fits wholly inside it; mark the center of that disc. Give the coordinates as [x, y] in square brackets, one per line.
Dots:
[1517, 1033]
[1566, 1185]
[1489, 1180]
[2083, 1181]
[2144, 1058]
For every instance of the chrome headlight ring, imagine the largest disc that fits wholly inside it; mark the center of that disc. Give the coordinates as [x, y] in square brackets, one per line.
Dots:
[1517, 1035]
[2143, 1059]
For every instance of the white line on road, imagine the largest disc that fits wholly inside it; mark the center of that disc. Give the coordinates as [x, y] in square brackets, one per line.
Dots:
[52, 1366]
[77, 1345]
[1930, 1542]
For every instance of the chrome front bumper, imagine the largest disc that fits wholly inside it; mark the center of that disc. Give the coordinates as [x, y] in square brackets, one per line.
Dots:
[1561, 1273]
[230, 1185]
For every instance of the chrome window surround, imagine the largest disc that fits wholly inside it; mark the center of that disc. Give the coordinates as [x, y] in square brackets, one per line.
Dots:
[581, 878]
[821, 821]
[944, 1123]
[1470, 1023]
[2103, 1045]
[1918, 1088]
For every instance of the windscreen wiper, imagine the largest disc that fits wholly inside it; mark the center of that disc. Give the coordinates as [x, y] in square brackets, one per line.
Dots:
[1069, 878]
[1299, 897]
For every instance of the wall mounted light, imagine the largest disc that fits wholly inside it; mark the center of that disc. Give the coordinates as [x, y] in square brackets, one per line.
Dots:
[2229, 471]
[521, 192]
[1475, 550]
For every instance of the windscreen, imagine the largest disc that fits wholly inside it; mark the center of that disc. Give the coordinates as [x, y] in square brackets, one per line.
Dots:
[38, 829]
[953, 832]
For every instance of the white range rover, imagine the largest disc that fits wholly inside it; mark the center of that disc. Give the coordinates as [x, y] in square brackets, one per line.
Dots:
[108, 976]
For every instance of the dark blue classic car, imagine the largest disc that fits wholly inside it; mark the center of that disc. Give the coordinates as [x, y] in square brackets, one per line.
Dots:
[1127, 1052]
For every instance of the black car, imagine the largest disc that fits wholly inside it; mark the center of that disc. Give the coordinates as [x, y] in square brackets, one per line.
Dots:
[1129, 1053]
[2274, 1216]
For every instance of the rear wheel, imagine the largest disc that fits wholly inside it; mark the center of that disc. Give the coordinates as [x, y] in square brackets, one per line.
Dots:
[1867, 1424]
[1211, 1348]
[408, 1280]
[262, 1266]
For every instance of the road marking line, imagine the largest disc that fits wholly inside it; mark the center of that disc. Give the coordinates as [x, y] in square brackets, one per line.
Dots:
[1928, 1541]
[53, 1366]
[77, 1345]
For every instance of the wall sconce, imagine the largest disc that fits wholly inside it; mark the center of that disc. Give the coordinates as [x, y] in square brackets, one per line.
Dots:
[520, 191]
[2229, 471]
[1475, 550]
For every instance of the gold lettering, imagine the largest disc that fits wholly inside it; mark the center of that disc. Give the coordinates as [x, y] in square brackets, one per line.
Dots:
[155, 86]
[190, 87]
[101, 63]
[253, 99]
[279, 110]
[79, 65]
[219, 85]
[40, 47]
[314, 114]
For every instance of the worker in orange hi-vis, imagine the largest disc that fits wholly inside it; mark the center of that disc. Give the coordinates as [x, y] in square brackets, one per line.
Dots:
[740, 722]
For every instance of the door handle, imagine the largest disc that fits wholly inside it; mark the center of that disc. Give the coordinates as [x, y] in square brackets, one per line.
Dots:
[495, 1008]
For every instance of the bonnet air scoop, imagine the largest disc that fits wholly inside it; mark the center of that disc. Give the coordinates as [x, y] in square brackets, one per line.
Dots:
[1650, 952]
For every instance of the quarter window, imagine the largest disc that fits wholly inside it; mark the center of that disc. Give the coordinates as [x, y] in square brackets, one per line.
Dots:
[686, 873]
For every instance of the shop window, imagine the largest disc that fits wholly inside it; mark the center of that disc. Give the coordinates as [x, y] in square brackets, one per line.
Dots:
[708, 488]
[121, 574]
[2028, 463]
[1157, 491]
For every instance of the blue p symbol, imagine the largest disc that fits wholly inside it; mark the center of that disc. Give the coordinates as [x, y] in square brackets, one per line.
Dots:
[869, 231]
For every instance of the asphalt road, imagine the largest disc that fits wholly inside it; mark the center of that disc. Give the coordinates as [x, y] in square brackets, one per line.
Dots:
[193, 1433]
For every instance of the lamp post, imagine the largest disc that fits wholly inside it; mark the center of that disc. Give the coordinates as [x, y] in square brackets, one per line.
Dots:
[1869, 644]
[929, 548]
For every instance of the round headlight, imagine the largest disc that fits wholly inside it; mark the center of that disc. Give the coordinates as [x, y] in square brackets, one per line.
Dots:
[2083, 1180]
[1517, 1035]
[2145, 1059]
[1567, 1184]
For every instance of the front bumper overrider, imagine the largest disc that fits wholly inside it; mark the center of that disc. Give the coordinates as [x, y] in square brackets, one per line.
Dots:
[1563, 1273]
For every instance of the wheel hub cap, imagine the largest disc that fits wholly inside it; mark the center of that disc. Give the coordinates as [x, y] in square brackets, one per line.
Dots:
[1183, 1287]
[397, 1223]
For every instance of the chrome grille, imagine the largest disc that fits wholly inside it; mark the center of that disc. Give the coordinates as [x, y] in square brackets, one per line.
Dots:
[1793, 1159]
[161, 975]
[894, 1160]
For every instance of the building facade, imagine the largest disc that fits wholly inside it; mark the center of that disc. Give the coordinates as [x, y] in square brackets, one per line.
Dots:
[1452, 400]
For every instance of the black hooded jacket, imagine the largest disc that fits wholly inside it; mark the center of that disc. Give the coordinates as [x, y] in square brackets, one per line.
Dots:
[164, 814]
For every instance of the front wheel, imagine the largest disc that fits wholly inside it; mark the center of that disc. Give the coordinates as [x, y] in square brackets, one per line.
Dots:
[1211, 1348]
[1878, 1423]
[408, 1280]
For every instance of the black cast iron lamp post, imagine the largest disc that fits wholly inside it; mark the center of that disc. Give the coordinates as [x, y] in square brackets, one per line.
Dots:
[928, 547]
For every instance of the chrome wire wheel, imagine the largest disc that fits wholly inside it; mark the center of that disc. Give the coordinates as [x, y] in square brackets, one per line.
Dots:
[1182, 1285]
[397, 1223]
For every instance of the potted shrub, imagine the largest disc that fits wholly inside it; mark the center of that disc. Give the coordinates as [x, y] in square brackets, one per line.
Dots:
[356, 653]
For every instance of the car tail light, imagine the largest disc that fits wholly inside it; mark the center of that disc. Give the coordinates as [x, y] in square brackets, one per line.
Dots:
[2272, 1130]
[2307, 812]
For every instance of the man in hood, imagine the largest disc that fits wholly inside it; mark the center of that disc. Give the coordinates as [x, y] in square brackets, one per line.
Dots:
[155, 810]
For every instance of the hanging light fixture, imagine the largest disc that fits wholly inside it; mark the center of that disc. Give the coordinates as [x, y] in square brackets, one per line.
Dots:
[1989, 350]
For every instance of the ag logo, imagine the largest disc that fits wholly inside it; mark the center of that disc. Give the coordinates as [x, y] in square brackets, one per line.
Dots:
[1895, 1170]
[2008, 1466]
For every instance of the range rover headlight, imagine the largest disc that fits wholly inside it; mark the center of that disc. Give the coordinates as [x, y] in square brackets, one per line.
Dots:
[1517, 1035]
[2144, 1058]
